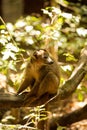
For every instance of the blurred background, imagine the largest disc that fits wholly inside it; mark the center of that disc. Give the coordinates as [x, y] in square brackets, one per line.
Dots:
[60, 26]
[13, 9]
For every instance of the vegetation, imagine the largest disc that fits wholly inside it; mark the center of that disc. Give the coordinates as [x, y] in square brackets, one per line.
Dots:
[60, 30]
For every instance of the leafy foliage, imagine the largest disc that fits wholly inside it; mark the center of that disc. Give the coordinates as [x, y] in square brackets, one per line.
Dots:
[58, 29]
[64, 30]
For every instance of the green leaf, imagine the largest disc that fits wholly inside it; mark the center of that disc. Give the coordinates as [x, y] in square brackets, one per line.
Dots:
[80, 96]
[61, 128]
[2, 27]
[69, 57]
[12, 65]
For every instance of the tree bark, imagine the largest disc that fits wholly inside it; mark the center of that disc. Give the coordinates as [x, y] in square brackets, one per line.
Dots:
[68, 119]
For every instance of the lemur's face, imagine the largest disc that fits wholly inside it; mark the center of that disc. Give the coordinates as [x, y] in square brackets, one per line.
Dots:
[42, 56]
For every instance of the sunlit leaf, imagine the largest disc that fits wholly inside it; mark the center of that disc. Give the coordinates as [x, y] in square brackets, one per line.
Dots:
[2, 27]
[70, 57]
[3, 41]
[7, 54]
[47, 12]
[10, 27]
[80, 96]
[67, 67]
[67, 15]
[12, 47]
[82, 31]
[20, 23]
[12, 65]
[28, 28]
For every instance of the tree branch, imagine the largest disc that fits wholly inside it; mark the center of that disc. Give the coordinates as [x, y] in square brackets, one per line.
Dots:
[72, 83]
[65, 90]
[69, 118]
[9, 101]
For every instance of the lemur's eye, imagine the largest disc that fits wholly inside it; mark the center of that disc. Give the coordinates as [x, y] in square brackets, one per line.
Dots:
[35, 54]
[45, 56]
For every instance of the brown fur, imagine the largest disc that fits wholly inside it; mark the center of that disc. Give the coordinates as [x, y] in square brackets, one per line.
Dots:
[41, 75]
